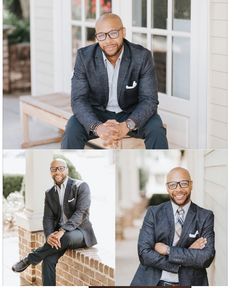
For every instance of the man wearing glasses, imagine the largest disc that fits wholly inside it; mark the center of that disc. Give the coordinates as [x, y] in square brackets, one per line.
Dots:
[176, 241]
[66, 223]
[114, 91]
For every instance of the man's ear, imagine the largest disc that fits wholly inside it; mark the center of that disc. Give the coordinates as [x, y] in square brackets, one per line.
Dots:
[124, 32]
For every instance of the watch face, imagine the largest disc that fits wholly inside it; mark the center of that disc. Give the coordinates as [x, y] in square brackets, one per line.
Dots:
[130, 124]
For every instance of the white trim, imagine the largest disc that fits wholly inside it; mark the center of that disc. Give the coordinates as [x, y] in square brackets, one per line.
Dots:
[32, 48]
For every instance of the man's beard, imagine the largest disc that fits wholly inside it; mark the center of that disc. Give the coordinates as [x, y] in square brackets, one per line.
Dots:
[60, 181]
[115, 53]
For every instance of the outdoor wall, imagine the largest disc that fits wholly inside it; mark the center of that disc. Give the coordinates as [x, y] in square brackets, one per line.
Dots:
[81, 267]
[216, 199]
[218, 74]
[42, 46]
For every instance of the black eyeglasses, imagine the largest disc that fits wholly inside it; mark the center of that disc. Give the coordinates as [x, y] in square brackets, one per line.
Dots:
[113, 34]
[60, 169]
[183, 184]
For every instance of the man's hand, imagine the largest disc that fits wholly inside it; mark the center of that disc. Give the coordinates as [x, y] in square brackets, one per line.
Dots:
[121, 127]
[108, 132]
[200, 243]
[54, 239]
[161, 248]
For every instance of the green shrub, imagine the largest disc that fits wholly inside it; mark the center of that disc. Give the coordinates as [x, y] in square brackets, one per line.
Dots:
[11, 183]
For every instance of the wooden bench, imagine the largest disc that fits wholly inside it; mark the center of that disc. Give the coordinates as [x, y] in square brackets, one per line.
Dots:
[55, 109]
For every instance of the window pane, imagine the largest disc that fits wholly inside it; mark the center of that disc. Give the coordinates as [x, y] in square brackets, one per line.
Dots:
[76, 9]
[181, 67]
[90, 8]
[76, 41]
[90, 36]
[105, 6]
[159, 48]
[182, 15]
[159, 14]
[140, 38]
[139, 12]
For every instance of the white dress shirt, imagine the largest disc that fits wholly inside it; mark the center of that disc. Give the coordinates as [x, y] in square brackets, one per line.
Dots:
[113, 72]
[61, 191]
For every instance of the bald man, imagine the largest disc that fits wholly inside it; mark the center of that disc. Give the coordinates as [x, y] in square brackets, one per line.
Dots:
[66, 222]
[176, 241]
[114, 91]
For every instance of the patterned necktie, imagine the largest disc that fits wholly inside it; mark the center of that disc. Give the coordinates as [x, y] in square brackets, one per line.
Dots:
[178, 225]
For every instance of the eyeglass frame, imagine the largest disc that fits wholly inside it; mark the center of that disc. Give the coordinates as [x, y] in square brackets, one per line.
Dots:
[178, 183]
[58, 168]
[107, 33]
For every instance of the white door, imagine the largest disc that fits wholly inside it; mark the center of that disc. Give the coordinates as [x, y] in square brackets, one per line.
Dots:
[176, 33]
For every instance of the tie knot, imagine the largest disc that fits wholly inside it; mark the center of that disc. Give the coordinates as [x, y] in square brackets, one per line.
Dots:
[180, 211]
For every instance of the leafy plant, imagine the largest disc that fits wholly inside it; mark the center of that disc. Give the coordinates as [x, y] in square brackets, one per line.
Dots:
[11, 183]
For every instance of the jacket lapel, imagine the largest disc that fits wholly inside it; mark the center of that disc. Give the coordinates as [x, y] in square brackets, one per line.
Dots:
[102, 73]
[124, 66]
[171, 222]
[187, 223]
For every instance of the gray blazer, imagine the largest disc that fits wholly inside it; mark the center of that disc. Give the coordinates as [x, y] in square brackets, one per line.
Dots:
[76, 209]
[191, 264]
[90, 88]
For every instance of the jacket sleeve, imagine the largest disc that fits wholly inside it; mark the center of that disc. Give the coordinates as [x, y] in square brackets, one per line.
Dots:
[82, 208]
[197, 258]
[147, 93]
[80, 95]
[147, 255]
[48, 218]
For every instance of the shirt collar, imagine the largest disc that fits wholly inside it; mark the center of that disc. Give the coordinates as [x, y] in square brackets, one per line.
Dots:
[119, 58]
[185, 207]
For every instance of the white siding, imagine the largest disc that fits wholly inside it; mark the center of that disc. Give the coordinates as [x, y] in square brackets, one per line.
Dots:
[42, 46]
[216, 199]
[218, 74]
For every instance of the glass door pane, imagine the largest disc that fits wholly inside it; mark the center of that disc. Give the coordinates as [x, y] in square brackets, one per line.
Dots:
[159, 48]
[182, 15]
[139, 13]
[90, 36]
[159, 14]
[90, 9]
[76, 41]
[105, 6]
[76, 9]
[181, 67]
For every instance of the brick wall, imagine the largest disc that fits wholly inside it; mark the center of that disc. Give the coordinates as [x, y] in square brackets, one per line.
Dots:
[20, 67]
[6, 64]
[77, 267]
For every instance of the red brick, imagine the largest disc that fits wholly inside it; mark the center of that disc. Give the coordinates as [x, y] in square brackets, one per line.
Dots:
[100, 277]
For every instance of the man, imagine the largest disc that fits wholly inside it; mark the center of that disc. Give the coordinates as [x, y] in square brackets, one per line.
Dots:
[66, 222]
[114, 91]
[176, 241]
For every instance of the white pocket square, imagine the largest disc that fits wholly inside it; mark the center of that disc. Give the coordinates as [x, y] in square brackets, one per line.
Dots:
[131, 87]
[193, 235]
[70, 200]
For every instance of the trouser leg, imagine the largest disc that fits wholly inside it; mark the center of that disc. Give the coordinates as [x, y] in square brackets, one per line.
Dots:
[50, 256]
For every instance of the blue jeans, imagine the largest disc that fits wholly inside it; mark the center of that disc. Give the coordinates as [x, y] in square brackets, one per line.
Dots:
[153, 132]
[50, 256]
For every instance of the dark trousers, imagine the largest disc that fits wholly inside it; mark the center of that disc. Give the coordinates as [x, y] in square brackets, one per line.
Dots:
[50, 256]
[153, 132]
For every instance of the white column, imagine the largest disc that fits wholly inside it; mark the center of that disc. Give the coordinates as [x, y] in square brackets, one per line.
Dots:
[37, 181]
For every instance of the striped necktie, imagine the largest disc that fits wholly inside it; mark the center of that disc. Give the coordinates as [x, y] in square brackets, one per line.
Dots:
[178, 225]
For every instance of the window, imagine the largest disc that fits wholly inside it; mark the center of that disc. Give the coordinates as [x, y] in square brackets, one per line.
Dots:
[164, 27]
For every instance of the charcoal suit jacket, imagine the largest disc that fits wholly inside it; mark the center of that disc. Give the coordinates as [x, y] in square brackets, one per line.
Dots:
[136, 88]
[190, 264]
[76, 208]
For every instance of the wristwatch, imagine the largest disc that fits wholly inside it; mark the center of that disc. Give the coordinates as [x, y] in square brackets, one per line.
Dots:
[130, 124]
[61, 229]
